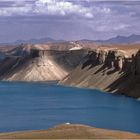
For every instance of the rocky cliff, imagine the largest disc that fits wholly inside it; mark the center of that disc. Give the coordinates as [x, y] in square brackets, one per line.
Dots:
[111, 70]
[40, 65]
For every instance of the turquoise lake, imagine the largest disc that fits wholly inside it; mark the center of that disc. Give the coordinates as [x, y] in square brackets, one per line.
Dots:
[35, 106]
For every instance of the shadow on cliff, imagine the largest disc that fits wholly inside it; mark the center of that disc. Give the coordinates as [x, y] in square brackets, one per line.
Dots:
[126, 85]
[124, 82]
[106, 63]
[67, 59]
[129, 82]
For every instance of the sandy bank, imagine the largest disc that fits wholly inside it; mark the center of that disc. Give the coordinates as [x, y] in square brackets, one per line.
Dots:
[70, 132]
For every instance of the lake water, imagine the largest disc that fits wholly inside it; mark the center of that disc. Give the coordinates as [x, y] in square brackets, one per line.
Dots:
[33, 106]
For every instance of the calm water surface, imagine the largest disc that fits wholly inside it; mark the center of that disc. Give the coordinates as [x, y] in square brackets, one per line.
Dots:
[31, 106]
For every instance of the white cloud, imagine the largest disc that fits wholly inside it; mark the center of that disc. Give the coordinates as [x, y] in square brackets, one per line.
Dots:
[55, 7]
[45, 7]
[16, 9]
[51, 7]
[81, 18]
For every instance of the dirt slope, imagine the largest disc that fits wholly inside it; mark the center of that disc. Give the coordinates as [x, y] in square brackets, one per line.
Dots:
[40, 65]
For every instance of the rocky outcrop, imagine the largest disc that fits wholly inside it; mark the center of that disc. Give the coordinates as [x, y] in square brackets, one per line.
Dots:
[112, 59]
[110, 70]
[40, 65]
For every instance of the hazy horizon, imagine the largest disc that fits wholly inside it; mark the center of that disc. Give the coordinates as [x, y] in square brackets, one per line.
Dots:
[67, 19]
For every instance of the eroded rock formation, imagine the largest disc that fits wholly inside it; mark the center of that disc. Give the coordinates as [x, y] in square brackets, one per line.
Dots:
[40, 65]
[110, 70]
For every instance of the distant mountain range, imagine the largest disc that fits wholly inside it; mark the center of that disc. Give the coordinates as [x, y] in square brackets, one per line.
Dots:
[121, 40]
[115, 40]
[33, 41]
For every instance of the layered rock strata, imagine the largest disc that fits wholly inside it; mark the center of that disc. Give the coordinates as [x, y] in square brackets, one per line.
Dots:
[110, 70]
[40, 65]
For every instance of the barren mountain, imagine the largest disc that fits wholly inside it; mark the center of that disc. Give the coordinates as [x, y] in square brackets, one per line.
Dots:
[40, 65]
[132, 39]
[25, 49]
[112, 68]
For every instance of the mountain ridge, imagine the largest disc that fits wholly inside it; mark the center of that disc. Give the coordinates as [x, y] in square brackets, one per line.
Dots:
[131, 39]
[123, 39]
[119, 39]
[43, 40]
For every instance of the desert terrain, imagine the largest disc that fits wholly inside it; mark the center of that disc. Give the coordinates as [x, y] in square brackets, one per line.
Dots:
[70, 131]
[111, 68]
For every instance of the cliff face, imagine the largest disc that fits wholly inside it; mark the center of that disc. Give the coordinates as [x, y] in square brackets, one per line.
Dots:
[40, 65]
[109, 70]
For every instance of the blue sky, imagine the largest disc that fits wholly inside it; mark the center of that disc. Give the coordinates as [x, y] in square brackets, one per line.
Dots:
[68, 19]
